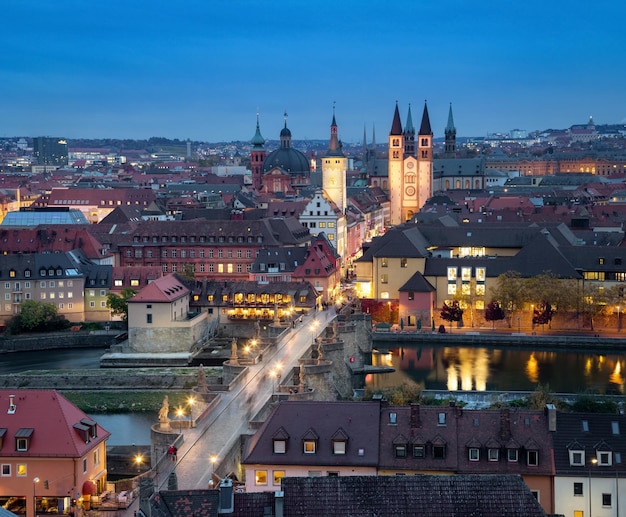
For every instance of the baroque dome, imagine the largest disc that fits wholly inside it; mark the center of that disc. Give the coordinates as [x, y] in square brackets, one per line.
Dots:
[286, 158]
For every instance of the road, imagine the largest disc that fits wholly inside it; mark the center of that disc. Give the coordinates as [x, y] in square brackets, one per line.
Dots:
[216, 434]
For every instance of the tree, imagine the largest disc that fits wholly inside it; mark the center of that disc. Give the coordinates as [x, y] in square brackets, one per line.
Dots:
[494, 312]
[510, 291]
[36, 315]
[186, 271]
[119, 304]
[451, 312]
[543, 313]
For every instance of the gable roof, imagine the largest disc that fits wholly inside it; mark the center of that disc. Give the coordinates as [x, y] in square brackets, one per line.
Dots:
[307, 419]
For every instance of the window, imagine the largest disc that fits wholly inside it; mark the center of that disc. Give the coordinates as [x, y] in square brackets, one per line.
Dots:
[474, 454]
[532, 458]
[493, 454]
[384, 262]
[419, 451]
[84, 465]
[149, 318]
[578, 489]
[400, 451]
[403, 262]
[439, 452]
[393, 418]
[92, 304]
[576, 458]
[606, 499]
[604, 458]
[280, 446]
[339, 447]
[309, 447]
[615, 427]
[441, 419]
[96, 457]
[21, 469]
[6, 469]
[278, 476]
[261, 477]
[384, 279]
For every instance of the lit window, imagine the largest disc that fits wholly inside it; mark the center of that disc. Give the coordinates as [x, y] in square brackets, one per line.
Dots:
[309, 446]
[261, 477]
[278, 476]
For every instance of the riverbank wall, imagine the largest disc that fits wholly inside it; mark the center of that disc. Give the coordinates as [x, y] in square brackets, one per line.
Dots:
[56, 340]
[588, 342]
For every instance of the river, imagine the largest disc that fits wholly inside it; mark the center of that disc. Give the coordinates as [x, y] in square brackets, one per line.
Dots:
[485, 369]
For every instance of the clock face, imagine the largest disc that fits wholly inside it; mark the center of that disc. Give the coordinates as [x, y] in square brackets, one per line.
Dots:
[409, 165]
[410, 191]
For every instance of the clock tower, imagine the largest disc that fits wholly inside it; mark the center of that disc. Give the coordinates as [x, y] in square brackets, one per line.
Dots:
[334, 165]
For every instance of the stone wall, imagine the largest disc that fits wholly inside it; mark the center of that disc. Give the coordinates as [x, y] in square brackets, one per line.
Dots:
[56, 340]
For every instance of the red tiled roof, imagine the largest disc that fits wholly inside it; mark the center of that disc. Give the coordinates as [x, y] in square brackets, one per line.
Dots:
[52, 418]
[162, 290]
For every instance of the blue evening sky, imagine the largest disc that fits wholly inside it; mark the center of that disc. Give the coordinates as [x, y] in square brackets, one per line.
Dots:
[201, 69]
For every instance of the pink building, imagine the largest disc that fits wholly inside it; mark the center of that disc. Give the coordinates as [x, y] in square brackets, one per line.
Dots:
[50, 453]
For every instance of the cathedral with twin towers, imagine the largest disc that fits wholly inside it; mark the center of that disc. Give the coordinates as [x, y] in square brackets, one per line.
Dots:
[408, 179]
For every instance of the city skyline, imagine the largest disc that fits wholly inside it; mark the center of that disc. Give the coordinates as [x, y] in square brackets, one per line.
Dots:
[204, 70]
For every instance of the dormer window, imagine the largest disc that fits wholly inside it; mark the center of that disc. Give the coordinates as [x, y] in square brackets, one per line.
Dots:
[604, 458]
[280, 446]
[42, 272]
[309, 446]
[22, 439]
[577, 458]
[474, 454]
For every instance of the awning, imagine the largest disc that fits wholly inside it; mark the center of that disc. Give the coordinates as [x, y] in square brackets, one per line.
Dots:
[89, 488]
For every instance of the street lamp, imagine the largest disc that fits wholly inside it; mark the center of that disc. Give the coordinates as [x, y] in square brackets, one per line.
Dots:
[180, 413]
[138, 462]
[314, 325]
[213, 460]
[275, 374]
[191, 401]
[593, 462]
[35, 481]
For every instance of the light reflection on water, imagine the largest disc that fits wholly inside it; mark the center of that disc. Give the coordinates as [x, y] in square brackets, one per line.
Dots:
[482, 369]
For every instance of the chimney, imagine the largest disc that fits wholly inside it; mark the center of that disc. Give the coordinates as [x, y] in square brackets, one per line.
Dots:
[415, 416]
[551, 412]
[12, 407]
[279, 501]
[505, 425]
[227, 498]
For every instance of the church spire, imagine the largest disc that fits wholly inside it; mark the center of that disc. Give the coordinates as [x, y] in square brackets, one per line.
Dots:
[257, 140]
[396, 125]
[334, 146]
[409, 135]
[425, 126]
[450, 136]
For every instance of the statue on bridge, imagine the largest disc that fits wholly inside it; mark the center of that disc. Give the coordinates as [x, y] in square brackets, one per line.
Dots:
[163, 412]
[202, 385]
[233, 351]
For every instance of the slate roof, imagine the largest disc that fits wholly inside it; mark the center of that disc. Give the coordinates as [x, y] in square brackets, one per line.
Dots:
[294, 419]
[417, 283]
[414, 496]
[598, 433]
